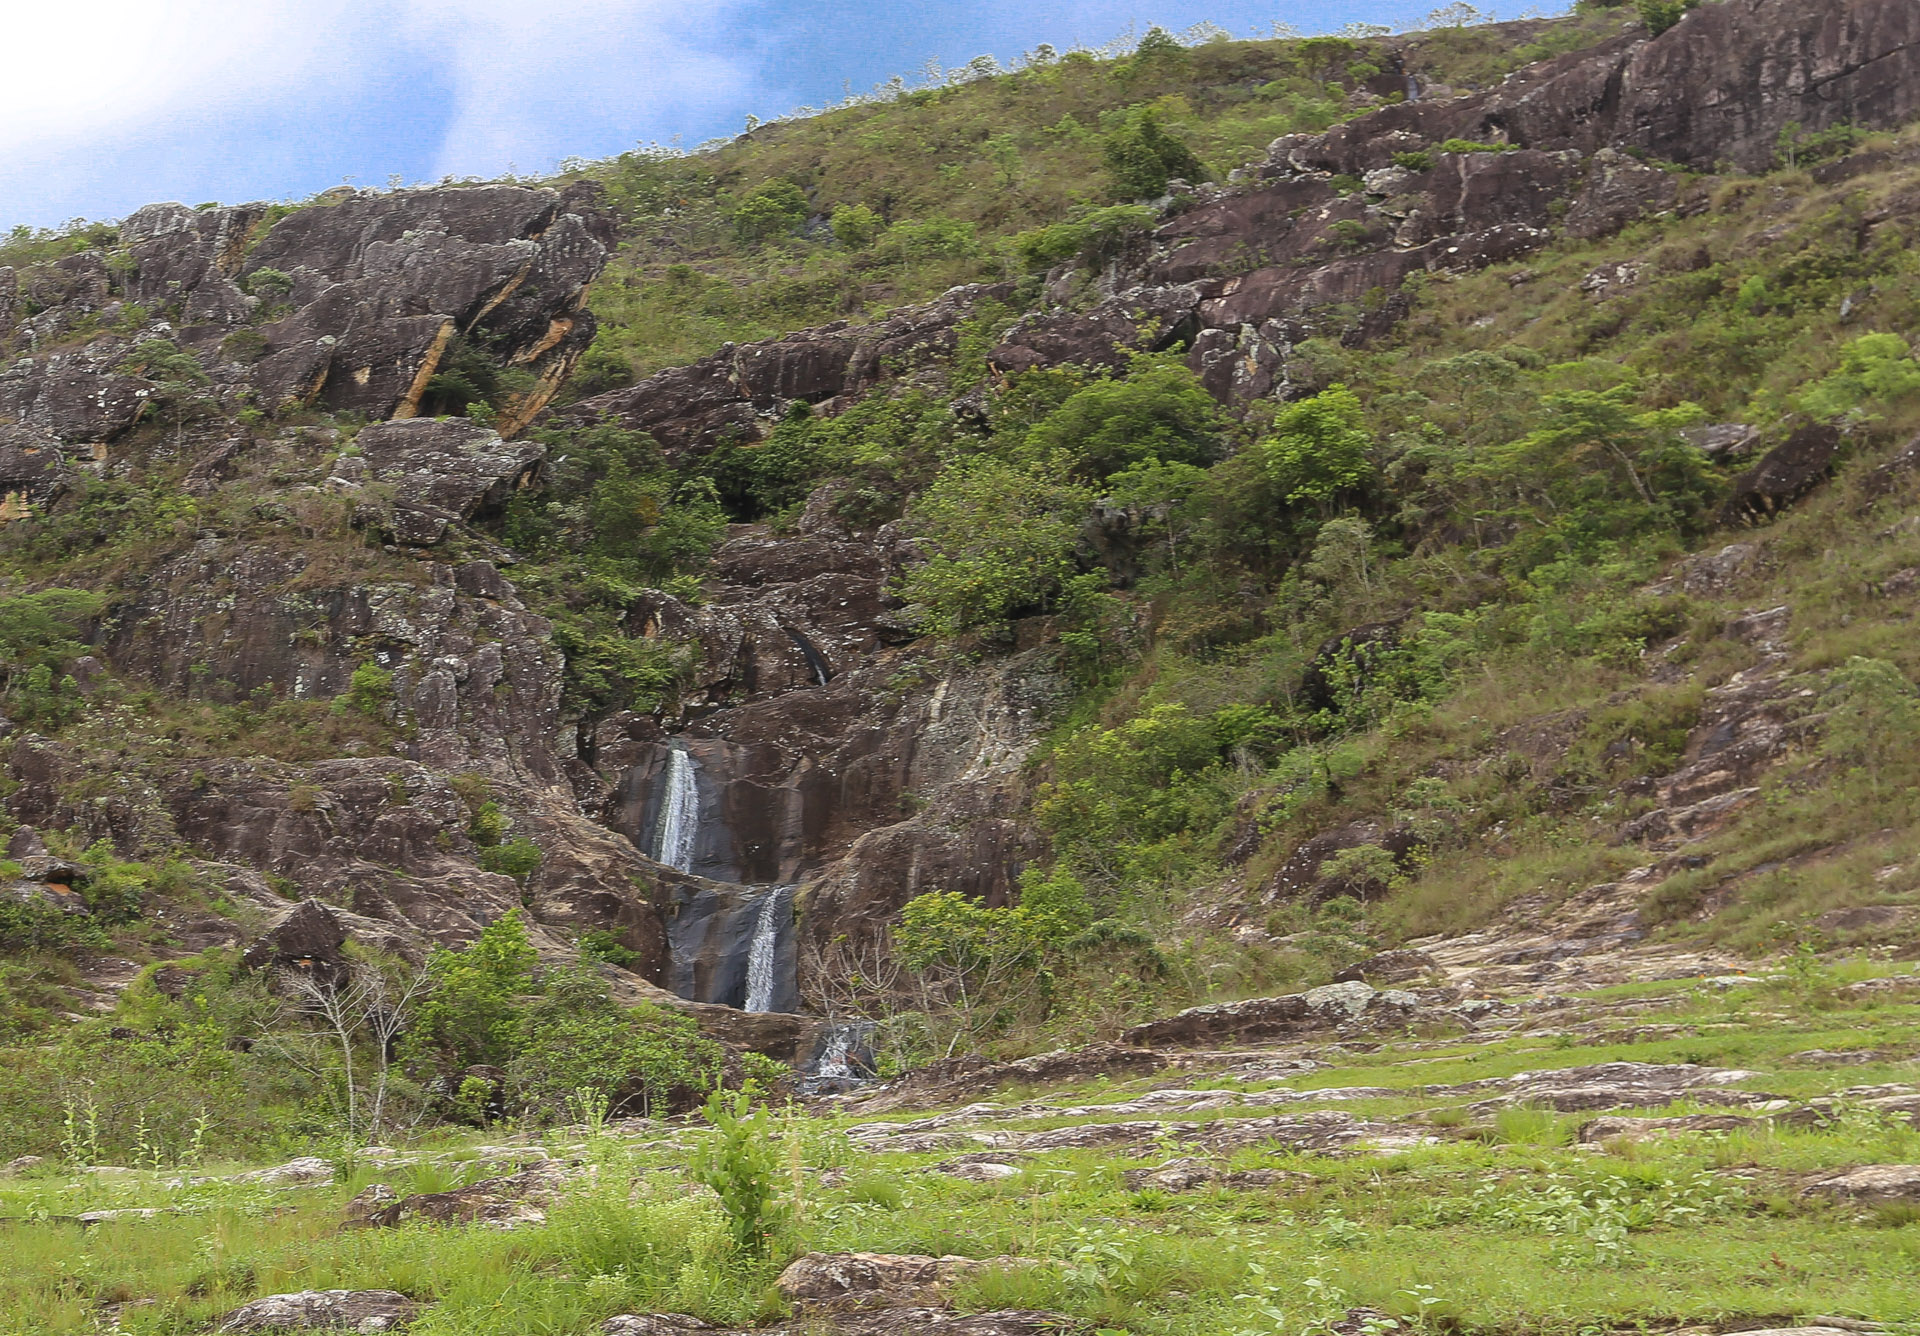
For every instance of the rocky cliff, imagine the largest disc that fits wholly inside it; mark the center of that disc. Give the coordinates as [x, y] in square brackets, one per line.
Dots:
[830, 748]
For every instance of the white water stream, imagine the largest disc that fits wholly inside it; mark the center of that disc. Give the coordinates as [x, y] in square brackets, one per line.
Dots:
[763, 954]
[679, 813]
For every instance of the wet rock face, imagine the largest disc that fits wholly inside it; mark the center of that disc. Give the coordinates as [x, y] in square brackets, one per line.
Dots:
[718, 935]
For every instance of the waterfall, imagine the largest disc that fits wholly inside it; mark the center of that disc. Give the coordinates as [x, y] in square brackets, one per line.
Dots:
[763, 956]
[816, 661]
[679, 813]
[836, 1053]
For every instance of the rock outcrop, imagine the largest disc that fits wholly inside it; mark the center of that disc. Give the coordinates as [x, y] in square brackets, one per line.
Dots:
[321, 1310]
[1336, 1007]
[353, 302]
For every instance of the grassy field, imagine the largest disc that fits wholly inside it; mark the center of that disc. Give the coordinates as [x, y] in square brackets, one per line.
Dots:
[1474, 1219]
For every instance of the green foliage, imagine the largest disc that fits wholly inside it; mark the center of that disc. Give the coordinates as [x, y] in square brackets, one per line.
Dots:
[1091, 238]
[639, 1060]
[1417, 161]
[740, 1161]
[1159, 412]
[35, 925]
[1003, 538]
[855, 226]
[269, 284]
[1876, 372]
[471, 1015]
[1142, 155]
[369, 692]
[1660, 15]
[39, 635]
[771, 210]
[1319, 447]
[518, 858]
[488, 824]
[1873, 717]
[600, 944]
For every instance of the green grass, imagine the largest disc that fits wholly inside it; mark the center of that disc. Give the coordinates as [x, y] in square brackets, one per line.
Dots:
[1500, 1225]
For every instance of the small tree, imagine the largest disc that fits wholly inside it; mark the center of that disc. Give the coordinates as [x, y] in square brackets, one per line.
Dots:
[771, 210]
[1319, 447]
[365, 1007]
[1873, 717]
[1141, 155]
[741, 1162]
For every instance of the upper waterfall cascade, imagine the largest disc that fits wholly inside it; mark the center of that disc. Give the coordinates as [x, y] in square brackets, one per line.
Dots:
[679, 813]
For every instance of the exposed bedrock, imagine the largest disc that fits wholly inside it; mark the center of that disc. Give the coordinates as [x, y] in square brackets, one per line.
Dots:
[353, 304]
[1330, 226]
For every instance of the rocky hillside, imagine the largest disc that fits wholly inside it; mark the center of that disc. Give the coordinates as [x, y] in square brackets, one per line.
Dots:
[1477, 523]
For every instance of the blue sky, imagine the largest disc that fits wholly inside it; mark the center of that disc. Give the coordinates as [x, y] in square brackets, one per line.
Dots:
[234, 100]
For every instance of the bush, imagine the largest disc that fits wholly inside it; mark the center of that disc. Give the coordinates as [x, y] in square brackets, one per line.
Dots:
[773, 209]
[1319, 446]
[1141, 156]
[518, 858]
[470, 1015]
[1876, 370]
[855, 226]
[639, 1060]
[368, 692]
[741, 1162]
[1160, 412]
[1660, 15]
[1004, 539]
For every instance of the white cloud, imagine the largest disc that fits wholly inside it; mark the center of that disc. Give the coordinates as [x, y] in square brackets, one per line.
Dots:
[526, 74]
[494, 82]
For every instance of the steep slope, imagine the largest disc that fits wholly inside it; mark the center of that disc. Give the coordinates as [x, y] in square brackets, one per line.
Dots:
[322, 590]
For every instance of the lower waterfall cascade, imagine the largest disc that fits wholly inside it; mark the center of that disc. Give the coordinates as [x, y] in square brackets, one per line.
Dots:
[774, 919]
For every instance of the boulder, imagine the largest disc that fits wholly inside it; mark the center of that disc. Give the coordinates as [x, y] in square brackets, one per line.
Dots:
[315, 1310]
[871, 1279]
[1784, 474]
[500, 1203]
[439, 472]
[307, 939]
[1339, 1007]
[1870, 1183]
[301, 1172]
[1390, 967]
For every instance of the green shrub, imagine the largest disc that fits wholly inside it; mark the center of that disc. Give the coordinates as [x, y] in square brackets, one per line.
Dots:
[369, 692]
[518, 858]
[1141, 155]
[1876, 371]
[855, 226]
[741, 1162]
[639, 1060]
[1159, 412]
[1418, 160]
[1319, 447]
[773, 209]
[1004, 539]
[1660, 15]
[470, 1015]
